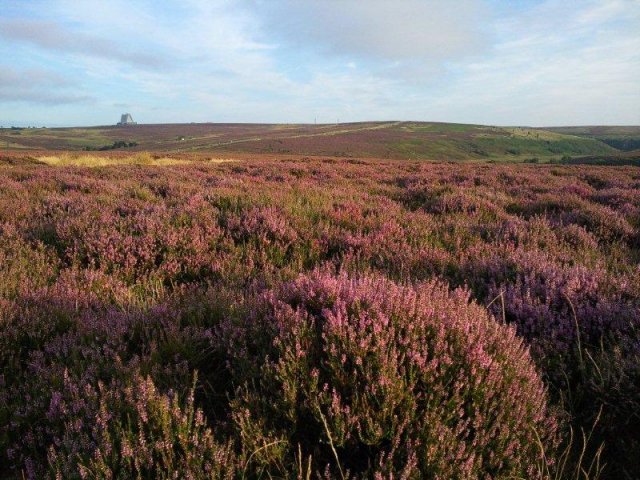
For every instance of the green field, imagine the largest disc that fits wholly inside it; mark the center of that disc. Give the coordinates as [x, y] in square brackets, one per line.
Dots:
[625, 138]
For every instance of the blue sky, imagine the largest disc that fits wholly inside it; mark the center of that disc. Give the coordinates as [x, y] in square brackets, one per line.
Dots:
[519, 62]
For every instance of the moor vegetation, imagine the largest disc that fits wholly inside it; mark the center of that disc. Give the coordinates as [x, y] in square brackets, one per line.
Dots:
[390, 140]
[319, 318]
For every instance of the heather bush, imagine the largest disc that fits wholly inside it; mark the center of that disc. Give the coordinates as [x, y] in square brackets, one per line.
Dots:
[61, 345]
[23, 266]
[366, 378]
[137, 432]
[551, 303]
[583, 327]
[112, 273]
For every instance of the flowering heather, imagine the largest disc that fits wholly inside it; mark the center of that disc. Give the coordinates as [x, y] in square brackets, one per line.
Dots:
[139, 433]
[374, 380]
[117, 278]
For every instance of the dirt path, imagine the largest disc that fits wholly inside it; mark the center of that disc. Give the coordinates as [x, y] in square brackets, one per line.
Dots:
[301, 135]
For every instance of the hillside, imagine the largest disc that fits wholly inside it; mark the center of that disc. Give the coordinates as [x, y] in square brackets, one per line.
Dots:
[625, 138]
[394, 140]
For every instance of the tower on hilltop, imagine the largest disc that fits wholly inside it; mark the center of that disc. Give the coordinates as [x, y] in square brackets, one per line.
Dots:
[126, 119]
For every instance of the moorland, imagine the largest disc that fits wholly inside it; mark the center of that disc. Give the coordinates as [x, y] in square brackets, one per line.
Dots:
[383, 140]
[381, 300]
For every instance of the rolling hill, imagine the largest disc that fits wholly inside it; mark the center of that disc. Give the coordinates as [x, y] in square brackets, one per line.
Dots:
[394, 140]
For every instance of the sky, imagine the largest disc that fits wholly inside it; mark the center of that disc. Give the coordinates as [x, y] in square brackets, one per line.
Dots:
[517, 62]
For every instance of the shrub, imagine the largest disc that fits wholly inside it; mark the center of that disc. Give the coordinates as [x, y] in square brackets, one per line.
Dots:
[140, 433]
[57, 346]
[106, 273]
[584, 331]
[363, 377]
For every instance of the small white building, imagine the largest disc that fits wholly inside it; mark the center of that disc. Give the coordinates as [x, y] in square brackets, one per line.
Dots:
[126, 119]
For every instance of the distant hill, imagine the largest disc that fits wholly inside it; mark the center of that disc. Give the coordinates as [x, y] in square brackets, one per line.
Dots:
[398, 140]
[625, 138]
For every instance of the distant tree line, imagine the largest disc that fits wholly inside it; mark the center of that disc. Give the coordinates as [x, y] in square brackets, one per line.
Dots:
[625, 144]
[114, 146]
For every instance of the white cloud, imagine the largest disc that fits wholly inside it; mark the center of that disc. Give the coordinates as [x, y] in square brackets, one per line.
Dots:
[291, 60]
[583, 72]
[51, 36]
[38, 87]
[378, 29]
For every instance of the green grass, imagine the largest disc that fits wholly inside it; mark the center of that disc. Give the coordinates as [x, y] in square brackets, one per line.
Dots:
[441, 127]
[565, 145]
[71, 138]
[504, 145]
[625, 138]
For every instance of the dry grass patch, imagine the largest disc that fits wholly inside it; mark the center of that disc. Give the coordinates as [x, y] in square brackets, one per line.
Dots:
[86, 160]
[221, 160]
